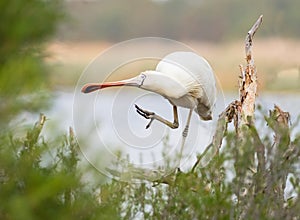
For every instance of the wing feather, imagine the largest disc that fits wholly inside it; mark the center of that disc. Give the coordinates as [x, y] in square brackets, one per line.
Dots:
[191, 71]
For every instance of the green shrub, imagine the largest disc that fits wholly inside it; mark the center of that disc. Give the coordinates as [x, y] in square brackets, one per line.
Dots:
[25, 27]
[237, 183]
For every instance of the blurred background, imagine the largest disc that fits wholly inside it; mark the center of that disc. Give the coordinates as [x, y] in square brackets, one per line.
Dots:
[215, 29]
[46, 46]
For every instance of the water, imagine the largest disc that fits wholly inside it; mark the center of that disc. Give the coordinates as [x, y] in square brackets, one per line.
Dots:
[107, 124]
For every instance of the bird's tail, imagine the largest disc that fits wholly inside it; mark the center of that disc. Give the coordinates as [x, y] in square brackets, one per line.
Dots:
[91, 87]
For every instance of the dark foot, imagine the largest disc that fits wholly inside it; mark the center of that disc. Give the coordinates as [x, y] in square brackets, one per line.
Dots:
[146, 114]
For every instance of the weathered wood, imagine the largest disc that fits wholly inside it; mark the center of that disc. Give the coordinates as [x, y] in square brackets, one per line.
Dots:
[248, 92]
[248, 82]
[249, 38]
[213, 148]
[240, 110]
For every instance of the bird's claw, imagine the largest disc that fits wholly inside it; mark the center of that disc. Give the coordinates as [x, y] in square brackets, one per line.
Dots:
[146, 114]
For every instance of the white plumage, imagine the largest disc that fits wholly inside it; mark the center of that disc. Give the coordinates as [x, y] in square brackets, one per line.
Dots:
[184, 78]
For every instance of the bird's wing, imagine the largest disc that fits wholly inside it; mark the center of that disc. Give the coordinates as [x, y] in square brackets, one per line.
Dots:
[193, 73]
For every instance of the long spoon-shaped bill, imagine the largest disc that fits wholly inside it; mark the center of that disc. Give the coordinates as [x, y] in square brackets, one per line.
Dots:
[91, 87]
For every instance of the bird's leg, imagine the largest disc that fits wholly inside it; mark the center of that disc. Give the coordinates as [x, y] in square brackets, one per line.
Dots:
[152, 116]
[185, 132]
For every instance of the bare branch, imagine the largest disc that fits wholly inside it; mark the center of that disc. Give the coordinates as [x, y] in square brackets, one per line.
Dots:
[213, 148]
[136, 173]
[249, 38]
[248, 83]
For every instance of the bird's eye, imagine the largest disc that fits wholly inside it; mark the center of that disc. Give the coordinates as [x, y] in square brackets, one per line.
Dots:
[143, 77]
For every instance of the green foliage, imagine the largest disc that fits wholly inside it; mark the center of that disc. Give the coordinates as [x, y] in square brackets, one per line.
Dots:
[251, 178]
[43, 180]
[25, 26]
[30, 190]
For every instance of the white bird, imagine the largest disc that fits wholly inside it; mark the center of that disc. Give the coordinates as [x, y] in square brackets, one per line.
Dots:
[184, 78]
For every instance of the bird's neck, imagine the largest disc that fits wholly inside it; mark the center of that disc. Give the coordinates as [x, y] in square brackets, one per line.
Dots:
[163, 84]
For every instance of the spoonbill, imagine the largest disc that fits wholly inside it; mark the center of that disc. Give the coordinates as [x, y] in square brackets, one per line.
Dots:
[185, 79]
